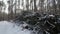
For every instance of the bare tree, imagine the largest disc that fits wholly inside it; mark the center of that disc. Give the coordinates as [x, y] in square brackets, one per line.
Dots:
[35, 7]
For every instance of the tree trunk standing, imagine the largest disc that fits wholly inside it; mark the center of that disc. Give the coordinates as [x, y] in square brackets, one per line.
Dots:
[58, 6]
[23, 4]
[10, 9]
[27, 5]
[15, 8]
[54, 7]
[41, 3]
[31, 4]
[35, 7]
[19, 4]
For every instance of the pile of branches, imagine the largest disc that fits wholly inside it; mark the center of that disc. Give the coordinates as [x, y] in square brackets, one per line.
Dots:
[40, 22]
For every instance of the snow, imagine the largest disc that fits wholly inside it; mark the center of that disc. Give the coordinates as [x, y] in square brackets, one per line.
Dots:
[10, 28]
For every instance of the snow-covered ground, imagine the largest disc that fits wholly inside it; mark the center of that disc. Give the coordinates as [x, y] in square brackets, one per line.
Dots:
[10, 28]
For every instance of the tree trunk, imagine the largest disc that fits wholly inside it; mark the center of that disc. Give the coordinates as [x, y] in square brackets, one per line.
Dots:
[35, 7]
